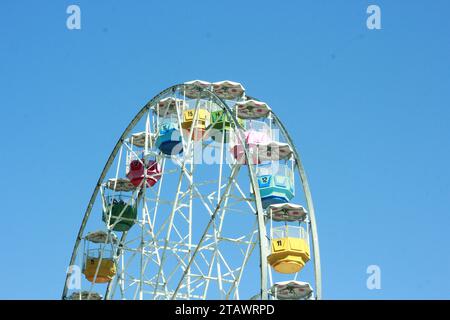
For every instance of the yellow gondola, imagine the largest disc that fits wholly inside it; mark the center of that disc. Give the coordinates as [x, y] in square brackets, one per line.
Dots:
[99, 266]
[106, 269]
[200, 125]
[289, 249]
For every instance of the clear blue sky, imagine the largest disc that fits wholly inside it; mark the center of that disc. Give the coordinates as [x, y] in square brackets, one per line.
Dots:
[369, 111]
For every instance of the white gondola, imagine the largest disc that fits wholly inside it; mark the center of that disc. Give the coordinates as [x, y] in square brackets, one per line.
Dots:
[274, 151]
[85, 295]
[252, 109]
[169, 106]
[101, 237]
[287, 212]
[193, 89]
[138, 139]
[292, 290]
[120, 184]
[228, 90]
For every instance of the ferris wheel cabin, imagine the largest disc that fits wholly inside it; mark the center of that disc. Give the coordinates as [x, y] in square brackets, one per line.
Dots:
[168, 137]
[98, 264]
[195, 121]
[120, 215]
[136, 172]
[276, 183]
[221, 124]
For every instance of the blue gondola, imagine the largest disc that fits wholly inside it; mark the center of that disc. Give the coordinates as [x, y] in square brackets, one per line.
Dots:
[276, 183]
[169, 137]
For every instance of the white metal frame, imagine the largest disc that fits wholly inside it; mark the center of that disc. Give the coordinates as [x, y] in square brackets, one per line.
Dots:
[199, 263]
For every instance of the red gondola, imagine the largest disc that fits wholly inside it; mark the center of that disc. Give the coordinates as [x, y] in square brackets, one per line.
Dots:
[136, 172]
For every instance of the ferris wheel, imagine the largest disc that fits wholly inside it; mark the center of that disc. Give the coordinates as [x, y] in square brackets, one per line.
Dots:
[204, 196]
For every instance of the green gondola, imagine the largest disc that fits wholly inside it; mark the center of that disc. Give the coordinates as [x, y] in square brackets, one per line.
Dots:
[117, 220]
[221, 123]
